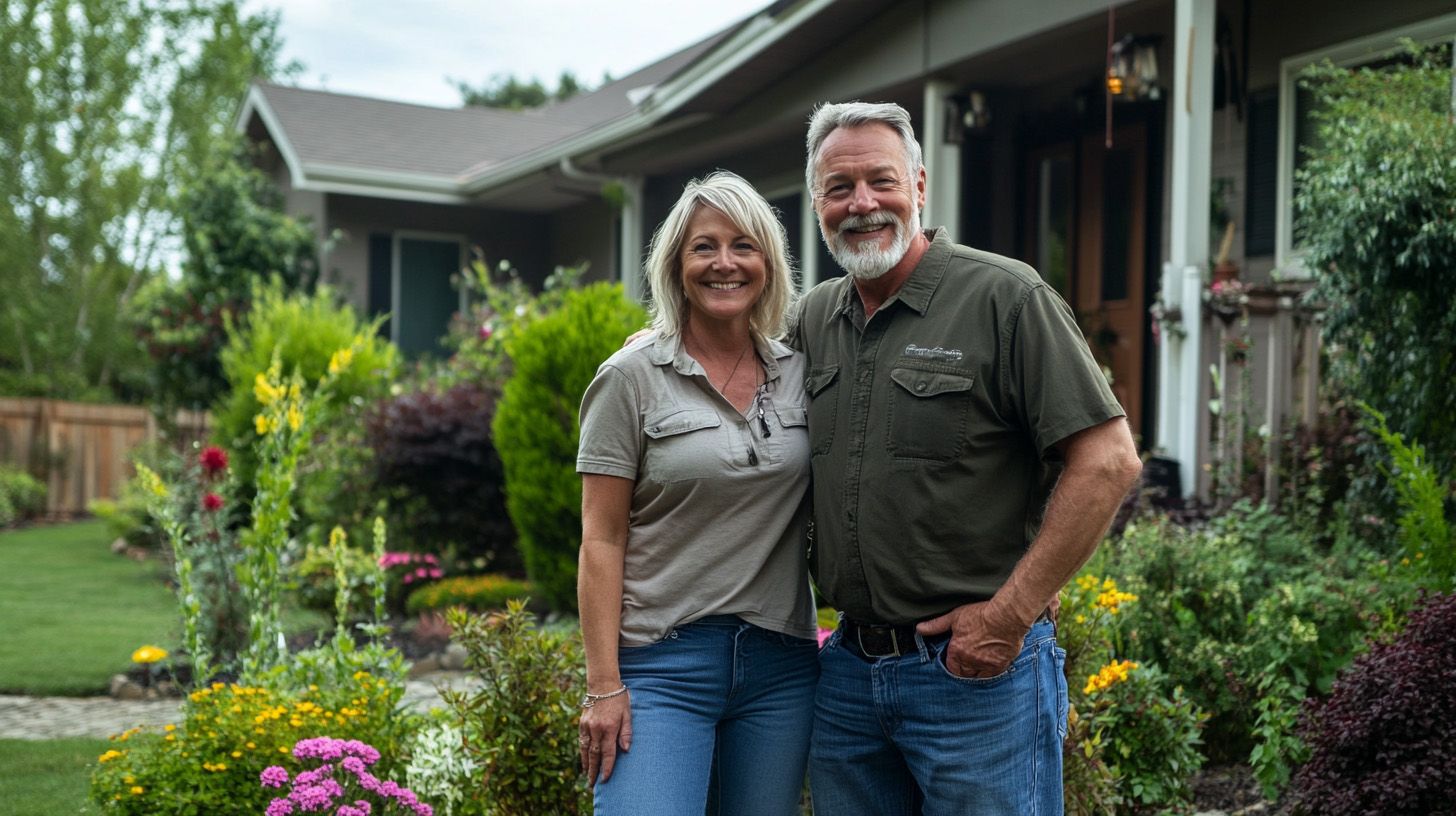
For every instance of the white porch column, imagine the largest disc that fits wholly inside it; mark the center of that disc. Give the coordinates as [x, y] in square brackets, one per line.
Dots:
[1180, 372]
[629, 240]
[809, 240]
[942, 162]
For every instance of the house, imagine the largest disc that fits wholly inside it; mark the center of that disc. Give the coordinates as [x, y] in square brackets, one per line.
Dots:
[1121, 200]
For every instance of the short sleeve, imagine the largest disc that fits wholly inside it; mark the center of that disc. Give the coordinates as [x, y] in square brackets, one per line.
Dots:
[611, 426]
[1054, 383]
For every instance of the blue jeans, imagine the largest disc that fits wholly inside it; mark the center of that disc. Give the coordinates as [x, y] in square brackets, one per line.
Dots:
[721, 692]
[897, 736]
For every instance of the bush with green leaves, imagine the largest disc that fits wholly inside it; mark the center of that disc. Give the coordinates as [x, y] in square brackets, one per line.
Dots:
[1133, 736]
[501, 305]
[519, 726]
[22, 496]
[303, 332]
[479, 593]
[1427, 538]
[1249, 614]
[537, 427]
[1375, 202]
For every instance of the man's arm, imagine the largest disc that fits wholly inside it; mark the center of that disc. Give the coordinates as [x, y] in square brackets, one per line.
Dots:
[1101, 465]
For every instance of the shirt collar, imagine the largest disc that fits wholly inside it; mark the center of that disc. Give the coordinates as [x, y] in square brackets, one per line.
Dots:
[671, 350]
[917, 289]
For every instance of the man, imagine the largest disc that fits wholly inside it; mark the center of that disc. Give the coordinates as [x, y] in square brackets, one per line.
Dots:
[968, 456]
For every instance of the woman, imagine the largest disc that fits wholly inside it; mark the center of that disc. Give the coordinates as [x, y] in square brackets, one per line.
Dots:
[695, 604]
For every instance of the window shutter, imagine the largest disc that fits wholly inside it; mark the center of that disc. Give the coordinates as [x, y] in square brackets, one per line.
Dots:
[1262, 169]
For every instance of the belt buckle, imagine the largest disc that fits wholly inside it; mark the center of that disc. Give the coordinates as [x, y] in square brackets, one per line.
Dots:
[894, 642]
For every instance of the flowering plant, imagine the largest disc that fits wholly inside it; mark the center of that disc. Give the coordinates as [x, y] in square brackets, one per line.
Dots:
[148, 654]
[321, 788]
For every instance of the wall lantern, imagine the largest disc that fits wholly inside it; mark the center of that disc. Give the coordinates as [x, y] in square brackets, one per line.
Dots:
[1132, 69]
[967, 113]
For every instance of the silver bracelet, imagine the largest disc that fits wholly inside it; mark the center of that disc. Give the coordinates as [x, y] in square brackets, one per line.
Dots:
[589, 699]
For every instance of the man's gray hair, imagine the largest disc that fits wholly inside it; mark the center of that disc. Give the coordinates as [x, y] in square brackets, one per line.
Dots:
[829, 117]
[731, 195]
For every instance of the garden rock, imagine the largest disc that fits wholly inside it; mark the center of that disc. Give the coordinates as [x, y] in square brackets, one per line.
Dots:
[454, 658]
[425, 665]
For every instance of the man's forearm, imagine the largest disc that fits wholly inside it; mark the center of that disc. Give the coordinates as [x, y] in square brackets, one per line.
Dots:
[1101, 465]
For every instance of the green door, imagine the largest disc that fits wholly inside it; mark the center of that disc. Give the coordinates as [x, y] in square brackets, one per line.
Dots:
[427, 300]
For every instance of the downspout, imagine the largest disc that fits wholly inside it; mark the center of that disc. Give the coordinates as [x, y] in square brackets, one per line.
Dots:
[629, 237]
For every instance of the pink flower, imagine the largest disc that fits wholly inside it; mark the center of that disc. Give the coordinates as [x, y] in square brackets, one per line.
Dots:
[824, 635]
[213, 459]
[274, 777]
[485, 331]
[211, 502]
[279, 807]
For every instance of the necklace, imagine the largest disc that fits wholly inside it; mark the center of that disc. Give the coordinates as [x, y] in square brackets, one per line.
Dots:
[723, 389]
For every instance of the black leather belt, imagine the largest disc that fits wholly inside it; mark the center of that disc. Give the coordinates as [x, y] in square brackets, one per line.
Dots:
[892, 640]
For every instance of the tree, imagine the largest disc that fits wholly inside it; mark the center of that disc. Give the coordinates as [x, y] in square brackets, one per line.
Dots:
[505, 91]
[108, 108]
[1377, 207]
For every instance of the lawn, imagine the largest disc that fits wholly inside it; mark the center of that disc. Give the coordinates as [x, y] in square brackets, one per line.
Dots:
[48, 778]
[74, 611]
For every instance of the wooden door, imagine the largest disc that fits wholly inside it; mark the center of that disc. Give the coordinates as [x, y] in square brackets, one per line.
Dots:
[1108, 278]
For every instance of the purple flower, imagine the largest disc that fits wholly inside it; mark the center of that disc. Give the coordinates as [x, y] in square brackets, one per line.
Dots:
[363, 750]
[279, 807]
[423, 809]
[311, 798]
[348, 810]
[364, 807]
[273, 777]
[389, 788]
[353, 765]
[370, 782]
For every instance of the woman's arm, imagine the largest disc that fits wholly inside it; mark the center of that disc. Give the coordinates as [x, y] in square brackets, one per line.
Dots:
[606, 502]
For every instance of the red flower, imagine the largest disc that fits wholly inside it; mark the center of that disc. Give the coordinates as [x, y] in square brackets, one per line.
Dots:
[211, 502]
[214, 460]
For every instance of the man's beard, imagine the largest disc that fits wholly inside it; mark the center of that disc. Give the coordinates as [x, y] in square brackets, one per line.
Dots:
[869, 261]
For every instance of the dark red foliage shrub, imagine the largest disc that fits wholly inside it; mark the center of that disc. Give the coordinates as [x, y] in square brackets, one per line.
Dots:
[1385, 740]
[434, 457]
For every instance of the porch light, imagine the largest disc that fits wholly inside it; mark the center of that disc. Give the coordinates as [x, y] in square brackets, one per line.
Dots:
[1132, 69]
[977, 115]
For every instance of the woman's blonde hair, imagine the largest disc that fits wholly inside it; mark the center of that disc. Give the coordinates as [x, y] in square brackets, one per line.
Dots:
[729, 194]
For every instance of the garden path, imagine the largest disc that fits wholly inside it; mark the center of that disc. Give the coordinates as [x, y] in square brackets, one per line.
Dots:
[45, 718]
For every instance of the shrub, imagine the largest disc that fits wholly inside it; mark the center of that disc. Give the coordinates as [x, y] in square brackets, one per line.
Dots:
[303, 332]
[1229, 608]
[316, 587]
[1381, 742]
[480, 593]
[1425, 535]
[537, 427]
[21, 496]
[520, 725]
[1374, 200]
[211, 762]
[318, 788]
[1133, 735]
[502, 305]
[439, 770]
[434, 458]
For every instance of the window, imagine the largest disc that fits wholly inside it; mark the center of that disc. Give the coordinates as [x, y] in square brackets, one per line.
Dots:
[1296, 127]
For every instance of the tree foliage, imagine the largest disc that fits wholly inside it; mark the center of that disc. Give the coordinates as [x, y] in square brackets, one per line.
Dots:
[108, 108]
[505, 91]
[1377, 214]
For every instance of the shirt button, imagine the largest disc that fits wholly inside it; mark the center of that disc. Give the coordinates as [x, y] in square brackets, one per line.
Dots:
[920, 386]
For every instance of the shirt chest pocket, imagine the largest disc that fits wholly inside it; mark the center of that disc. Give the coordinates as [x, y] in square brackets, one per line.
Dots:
[929, 410]
[683, 445]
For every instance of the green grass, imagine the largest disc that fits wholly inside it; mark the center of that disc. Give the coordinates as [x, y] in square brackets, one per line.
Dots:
[48, 778]
[74, 611]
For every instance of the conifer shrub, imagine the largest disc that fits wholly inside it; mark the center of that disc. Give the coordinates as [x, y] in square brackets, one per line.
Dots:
[537, 426]
[1381, 742]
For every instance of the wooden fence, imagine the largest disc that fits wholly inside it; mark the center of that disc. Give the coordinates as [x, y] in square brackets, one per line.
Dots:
[80, 450]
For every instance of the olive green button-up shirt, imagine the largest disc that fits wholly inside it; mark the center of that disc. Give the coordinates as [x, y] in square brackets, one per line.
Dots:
[933, 427]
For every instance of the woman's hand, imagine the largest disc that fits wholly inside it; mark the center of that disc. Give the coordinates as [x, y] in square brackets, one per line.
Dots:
[605, 727]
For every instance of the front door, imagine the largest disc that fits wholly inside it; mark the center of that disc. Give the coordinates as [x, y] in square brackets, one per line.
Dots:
[1085, 229]
[1110, 269]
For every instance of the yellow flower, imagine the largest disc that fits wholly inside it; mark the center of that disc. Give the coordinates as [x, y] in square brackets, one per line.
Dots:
[266, 392]
[151, 482]
[1087, 582]
[295, 417]
[237, 754]
[169, 727]
[260, 423]
[137, 790]
[337, 537]
[341, 360]
[148, 654]
[110, 755]
[1108, 676]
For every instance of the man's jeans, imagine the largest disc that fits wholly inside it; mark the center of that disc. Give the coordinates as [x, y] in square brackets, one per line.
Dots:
[715, 684]
[897, 736]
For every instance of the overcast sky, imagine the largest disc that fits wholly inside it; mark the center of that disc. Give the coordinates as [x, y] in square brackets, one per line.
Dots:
[406, 50]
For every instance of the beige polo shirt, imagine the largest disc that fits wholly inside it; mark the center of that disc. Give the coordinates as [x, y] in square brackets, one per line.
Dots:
[719, 513]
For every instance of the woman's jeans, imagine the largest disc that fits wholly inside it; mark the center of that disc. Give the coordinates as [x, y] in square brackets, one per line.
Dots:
[721, 692]
[896, 736]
